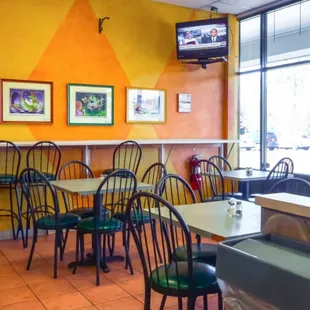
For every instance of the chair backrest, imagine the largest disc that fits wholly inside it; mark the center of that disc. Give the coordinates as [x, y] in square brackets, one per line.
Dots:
[294, 186]
[44, 156]
[290, 163]
[114, 193]
[127, 156]
[278, 172]
[40, 195]
[224, 165]
[154, 174]
[211, 181]
[221, 162]
[173, 233]
[176, 190]
[71, 171]
[9, 162]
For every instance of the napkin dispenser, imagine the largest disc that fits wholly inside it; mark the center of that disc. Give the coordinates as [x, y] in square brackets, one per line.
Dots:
[270, 268]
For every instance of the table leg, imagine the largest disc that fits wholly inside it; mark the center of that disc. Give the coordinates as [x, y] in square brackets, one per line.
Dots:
[245, 190]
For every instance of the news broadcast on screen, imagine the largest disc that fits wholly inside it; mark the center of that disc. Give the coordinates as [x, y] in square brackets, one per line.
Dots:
[202, 37]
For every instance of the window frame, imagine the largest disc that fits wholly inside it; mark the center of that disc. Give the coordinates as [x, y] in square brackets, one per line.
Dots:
[264, 68]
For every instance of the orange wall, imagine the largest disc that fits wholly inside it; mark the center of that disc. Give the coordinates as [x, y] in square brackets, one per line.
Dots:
[59, 41]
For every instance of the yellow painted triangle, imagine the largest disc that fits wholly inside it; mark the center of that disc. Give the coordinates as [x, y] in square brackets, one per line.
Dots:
[15, 133]
[142, 131]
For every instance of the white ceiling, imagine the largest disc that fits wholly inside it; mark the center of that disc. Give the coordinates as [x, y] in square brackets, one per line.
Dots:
[224, 6]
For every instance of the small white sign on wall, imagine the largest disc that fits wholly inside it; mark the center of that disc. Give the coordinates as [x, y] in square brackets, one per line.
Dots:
[184, 103]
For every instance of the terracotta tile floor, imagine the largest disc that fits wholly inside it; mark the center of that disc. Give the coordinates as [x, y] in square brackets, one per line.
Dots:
[36, 289]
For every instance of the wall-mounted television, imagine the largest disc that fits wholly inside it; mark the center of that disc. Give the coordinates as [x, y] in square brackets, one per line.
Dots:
[202, 39]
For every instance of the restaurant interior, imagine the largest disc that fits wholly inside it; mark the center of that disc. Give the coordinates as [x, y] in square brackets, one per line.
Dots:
[154, 154]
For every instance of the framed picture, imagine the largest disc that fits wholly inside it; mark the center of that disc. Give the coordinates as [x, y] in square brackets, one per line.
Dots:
[90, 105]
[26, 101]
[146, 105]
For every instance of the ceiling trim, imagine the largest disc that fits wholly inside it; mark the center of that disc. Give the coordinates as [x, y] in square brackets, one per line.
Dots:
[265, 8]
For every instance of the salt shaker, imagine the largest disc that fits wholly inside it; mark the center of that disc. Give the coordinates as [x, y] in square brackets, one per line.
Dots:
[239, 208]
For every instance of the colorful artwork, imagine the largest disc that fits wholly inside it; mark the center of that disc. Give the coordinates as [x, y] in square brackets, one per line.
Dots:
[149, 105]
[91, 104]
[146, 105]
[26, 101]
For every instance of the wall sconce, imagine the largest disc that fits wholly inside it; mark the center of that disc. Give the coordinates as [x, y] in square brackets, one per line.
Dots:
[101, 20]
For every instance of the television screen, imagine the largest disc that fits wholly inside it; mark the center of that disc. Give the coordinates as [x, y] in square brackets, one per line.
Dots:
[202, 39]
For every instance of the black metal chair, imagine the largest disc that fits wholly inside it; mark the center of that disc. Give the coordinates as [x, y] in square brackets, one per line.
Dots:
[210, 184]
[9, 170]
[294, 186]
[277, 173]
[113, 193]
[181, 279]
[80, 205]
[44, 156]
[44, 211]
[290, 164]
[154, 173]
[177, 191]
[224, 165]
[126, 156]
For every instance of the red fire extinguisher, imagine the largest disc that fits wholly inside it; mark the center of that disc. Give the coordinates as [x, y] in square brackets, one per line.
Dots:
[195, 172]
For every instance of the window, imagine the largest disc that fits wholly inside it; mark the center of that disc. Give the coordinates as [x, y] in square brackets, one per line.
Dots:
[288, 34]
[250, 44]
[250, 119]
[274, 95]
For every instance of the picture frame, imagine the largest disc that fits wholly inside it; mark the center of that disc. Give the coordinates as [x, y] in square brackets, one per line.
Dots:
[90, 105]
[26, 101]
[146, 106]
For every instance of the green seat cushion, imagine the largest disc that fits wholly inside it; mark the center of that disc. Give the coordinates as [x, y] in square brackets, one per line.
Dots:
[202, 252]
[67, 220]
[174, 277]
[137, 217]
[7, 178]
[105, 225]
[107, 171]
[49, 176]
[84, 212]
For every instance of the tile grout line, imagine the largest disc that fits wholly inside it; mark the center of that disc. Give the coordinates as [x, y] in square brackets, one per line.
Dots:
[24, 281]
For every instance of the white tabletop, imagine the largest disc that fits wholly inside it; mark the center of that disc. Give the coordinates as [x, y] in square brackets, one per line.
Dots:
[211, 218]
[90, 186]
[285, 202]
[240, 175]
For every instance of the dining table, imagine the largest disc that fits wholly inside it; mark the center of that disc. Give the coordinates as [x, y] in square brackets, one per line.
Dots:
[86, 187]
[242, 177]
[211, 219]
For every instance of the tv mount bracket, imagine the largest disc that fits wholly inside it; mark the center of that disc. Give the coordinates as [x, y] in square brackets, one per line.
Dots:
[205, 62]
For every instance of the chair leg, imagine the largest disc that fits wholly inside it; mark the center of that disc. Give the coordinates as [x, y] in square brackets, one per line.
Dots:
[64, 243]
[198, 238]
[12, 212]
[57, 242]
[111, 243]
[191, 301]
[77, 252]
[147, 298]
[220, 301]
[127, 259]
[98, 255]
[82, 248]
[34, 241]
[20, 217]
[27, 222]
[180, 305]
[163, 301]
[205, 302]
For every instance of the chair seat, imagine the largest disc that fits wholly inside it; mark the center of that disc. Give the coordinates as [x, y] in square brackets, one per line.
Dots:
[202, 252]
[7, 179]
[173, 278]
[84, 212]
[235, 195]
[107, 171]
[67, 220]
[137, 217]
[105, 225]
[49, 176]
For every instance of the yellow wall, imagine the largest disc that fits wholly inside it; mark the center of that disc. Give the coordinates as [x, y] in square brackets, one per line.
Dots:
[58, 41]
